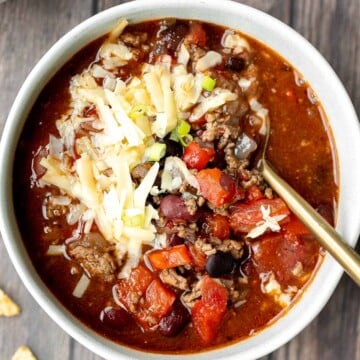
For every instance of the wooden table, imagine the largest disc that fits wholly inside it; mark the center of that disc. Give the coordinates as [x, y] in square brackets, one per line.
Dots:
[29, 27]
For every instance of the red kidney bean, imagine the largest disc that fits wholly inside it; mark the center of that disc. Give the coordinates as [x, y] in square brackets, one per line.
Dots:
[173, 207]
[228, 183]
[114, 317]
[173, 240]
[173, 323]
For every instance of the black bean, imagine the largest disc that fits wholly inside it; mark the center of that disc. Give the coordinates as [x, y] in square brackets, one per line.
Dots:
[115, 317]
[173, 323]
[235, 63]
[219, 160]
[173, 148]
[220, 264]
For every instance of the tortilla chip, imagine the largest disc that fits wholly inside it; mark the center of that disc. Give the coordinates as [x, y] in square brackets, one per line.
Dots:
[7, 306]
[23, 353]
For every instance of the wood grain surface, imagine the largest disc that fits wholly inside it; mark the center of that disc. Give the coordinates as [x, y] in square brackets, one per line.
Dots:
[29, 27]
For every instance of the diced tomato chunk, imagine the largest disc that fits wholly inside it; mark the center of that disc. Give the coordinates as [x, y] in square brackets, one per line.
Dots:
[196, 156]
[208, 313]
[295, 226]
[244, 217]
[213, 293]
[205, 322]
[198, 257]
[197, 35]
[145, 297]
[157, 303]
[159, 298]
[134, 286]
[216, 186]
[218, 226]
[253, 193]
[169, 258]
[283, 253]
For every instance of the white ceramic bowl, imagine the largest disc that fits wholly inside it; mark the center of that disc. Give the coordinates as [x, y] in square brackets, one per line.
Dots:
[292, 47]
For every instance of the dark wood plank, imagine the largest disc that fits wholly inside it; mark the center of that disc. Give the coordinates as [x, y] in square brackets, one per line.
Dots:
[332, 26]
[28, 28]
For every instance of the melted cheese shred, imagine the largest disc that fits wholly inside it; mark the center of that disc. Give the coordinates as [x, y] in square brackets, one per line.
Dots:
[270, 286]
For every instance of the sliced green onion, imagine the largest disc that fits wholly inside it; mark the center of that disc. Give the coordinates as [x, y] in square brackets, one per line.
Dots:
[137, 111]
[183, 128]
[181, 133]
[186, 140]
[208, 83]
[173, 136]
[155, 152]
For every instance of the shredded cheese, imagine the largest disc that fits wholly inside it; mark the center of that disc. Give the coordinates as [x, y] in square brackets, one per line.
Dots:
[245, 83]
[268, 223]
[209, 60]
[217, 98]
[175, 173]
[54, 250]
[261, 113]
[183, 55]
[269, 285]
[187, 88]
[234, 41]
[117, 30]
[81, 286]
[93, 172]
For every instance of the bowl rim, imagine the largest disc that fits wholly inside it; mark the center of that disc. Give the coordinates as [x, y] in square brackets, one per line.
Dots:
[286, 327]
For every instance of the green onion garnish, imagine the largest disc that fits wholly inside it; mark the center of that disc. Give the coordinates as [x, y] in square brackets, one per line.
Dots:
[181, 133]
[155, 152]
[174, 136]
[183, 128]
[208, 83]
[186, 140]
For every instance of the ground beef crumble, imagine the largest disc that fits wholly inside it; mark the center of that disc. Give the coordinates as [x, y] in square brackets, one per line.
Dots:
[172, 278]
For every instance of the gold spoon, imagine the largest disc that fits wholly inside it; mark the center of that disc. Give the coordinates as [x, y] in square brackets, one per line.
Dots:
[318, 226]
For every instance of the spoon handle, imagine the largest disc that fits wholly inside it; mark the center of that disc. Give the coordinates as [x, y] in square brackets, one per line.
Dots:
[319, 227]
